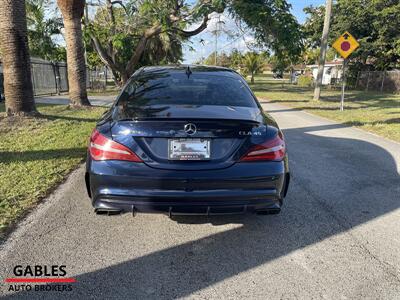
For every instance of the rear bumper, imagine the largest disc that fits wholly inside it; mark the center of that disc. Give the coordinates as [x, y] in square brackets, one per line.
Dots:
[136, 187]
[173, 205]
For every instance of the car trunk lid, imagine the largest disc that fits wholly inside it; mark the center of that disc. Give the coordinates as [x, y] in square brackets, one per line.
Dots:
[228, 130]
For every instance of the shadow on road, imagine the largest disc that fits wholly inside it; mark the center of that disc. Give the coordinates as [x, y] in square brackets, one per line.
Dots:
[338, 184]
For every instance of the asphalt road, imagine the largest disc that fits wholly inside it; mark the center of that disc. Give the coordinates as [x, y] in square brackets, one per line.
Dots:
[338, 236]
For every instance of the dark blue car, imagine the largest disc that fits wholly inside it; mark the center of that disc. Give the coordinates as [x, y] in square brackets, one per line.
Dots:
[187, 140]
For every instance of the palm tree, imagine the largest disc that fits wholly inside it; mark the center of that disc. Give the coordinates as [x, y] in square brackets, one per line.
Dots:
[72, 11]
[15, 58]
[252, 63]
[41, 30]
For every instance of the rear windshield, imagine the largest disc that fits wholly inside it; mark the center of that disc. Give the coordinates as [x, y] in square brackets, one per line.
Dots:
[179, 88]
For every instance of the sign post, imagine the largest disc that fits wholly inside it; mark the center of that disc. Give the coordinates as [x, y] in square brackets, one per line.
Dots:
[343, 84]
[345, 45]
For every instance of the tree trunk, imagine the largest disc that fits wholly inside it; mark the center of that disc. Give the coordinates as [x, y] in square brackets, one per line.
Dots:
[16, 61]
[124, 77]
[324, 45]
[72, 11]
[252, 77]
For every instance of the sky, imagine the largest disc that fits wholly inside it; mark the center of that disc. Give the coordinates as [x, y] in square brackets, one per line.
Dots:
[204, 43]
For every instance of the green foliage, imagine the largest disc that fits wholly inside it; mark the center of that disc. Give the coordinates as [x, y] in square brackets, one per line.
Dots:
[41, 31]
[223, 60]
[374, 23]
[279, 63]
[120, 32]
[249, 64]
[253, 64]
[236, 59]
[304, 81]
[273, 24]
[310, 55]
[34, 156]
[210, 60]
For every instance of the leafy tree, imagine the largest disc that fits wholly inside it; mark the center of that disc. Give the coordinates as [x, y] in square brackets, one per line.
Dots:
[149, 31]
[210, 60]
[133, 33]
[310, 55]
[274, 26]
[41, 31]
[223, 59]
[252, 63]
[236, 58]
[374, 23]
[279, 63]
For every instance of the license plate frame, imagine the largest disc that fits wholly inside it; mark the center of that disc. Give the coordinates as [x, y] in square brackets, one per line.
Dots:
[189, 149]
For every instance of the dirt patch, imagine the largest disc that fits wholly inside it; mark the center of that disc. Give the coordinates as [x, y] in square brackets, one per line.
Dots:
[15, 123]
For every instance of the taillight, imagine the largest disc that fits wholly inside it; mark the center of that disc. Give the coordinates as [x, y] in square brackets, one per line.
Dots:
[102, 148]
[271, 150]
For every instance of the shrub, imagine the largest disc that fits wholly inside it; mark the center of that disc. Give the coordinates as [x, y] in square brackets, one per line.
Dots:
[304, 81]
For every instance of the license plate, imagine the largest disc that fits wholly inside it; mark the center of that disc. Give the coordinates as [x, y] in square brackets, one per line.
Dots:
[189, 149]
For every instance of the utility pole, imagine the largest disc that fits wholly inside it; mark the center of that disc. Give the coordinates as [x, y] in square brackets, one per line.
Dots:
[216, 47]
[324, 44]
[216, 39]
[215, 32]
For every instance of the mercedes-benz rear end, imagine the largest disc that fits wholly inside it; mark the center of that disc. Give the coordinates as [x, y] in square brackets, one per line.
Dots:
[187, 140]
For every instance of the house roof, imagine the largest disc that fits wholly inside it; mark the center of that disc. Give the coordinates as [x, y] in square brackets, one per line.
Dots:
[332, 63]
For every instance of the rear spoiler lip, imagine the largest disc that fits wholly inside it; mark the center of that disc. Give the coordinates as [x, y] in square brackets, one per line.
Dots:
[187, 120]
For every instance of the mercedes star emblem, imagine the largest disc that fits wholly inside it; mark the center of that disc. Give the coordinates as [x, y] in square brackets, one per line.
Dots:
[190, 128]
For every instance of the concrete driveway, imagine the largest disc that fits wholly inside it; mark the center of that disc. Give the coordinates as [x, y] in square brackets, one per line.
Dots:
[338, 236]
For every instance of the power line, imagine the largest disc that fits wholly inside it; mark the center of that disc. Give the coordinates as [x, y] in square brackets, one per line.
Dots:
[230, 43]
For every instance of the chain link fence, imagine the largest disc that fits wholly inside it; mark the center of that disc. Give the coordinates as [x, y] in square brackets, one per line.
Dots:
[98, 78]
[383, 81]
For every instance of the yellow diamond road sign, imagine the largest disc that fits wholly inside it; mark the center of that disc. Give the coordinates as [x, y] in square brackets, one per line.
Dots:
[345, 44]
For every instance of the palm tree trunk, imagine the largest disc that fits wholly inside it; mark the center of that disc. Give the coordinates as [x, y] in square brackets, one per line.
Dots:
[324, 45]
[252, 77]
[72, 11]
[16, 61]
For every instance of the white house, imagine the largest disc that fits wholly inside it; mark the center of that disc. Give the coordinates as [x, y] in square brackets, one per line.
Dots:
[333, 71]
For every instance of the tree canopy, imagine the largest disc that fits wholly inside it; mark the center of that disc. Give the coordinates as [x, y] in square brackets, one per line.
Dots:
[252, 64]
[129, 34]
[374, 23]
[273, 24]
[41, 31]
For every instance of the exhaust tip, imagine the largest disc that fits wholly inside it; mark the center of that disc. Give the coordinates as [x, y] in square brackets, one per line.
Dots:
[108, 212]
[271, 211]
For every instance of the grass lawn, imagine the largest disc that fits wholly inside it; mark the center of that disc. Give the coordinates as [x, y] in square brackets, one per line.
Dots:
[371, 111]
[37, 154]
[104, 93]
[110, 91]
